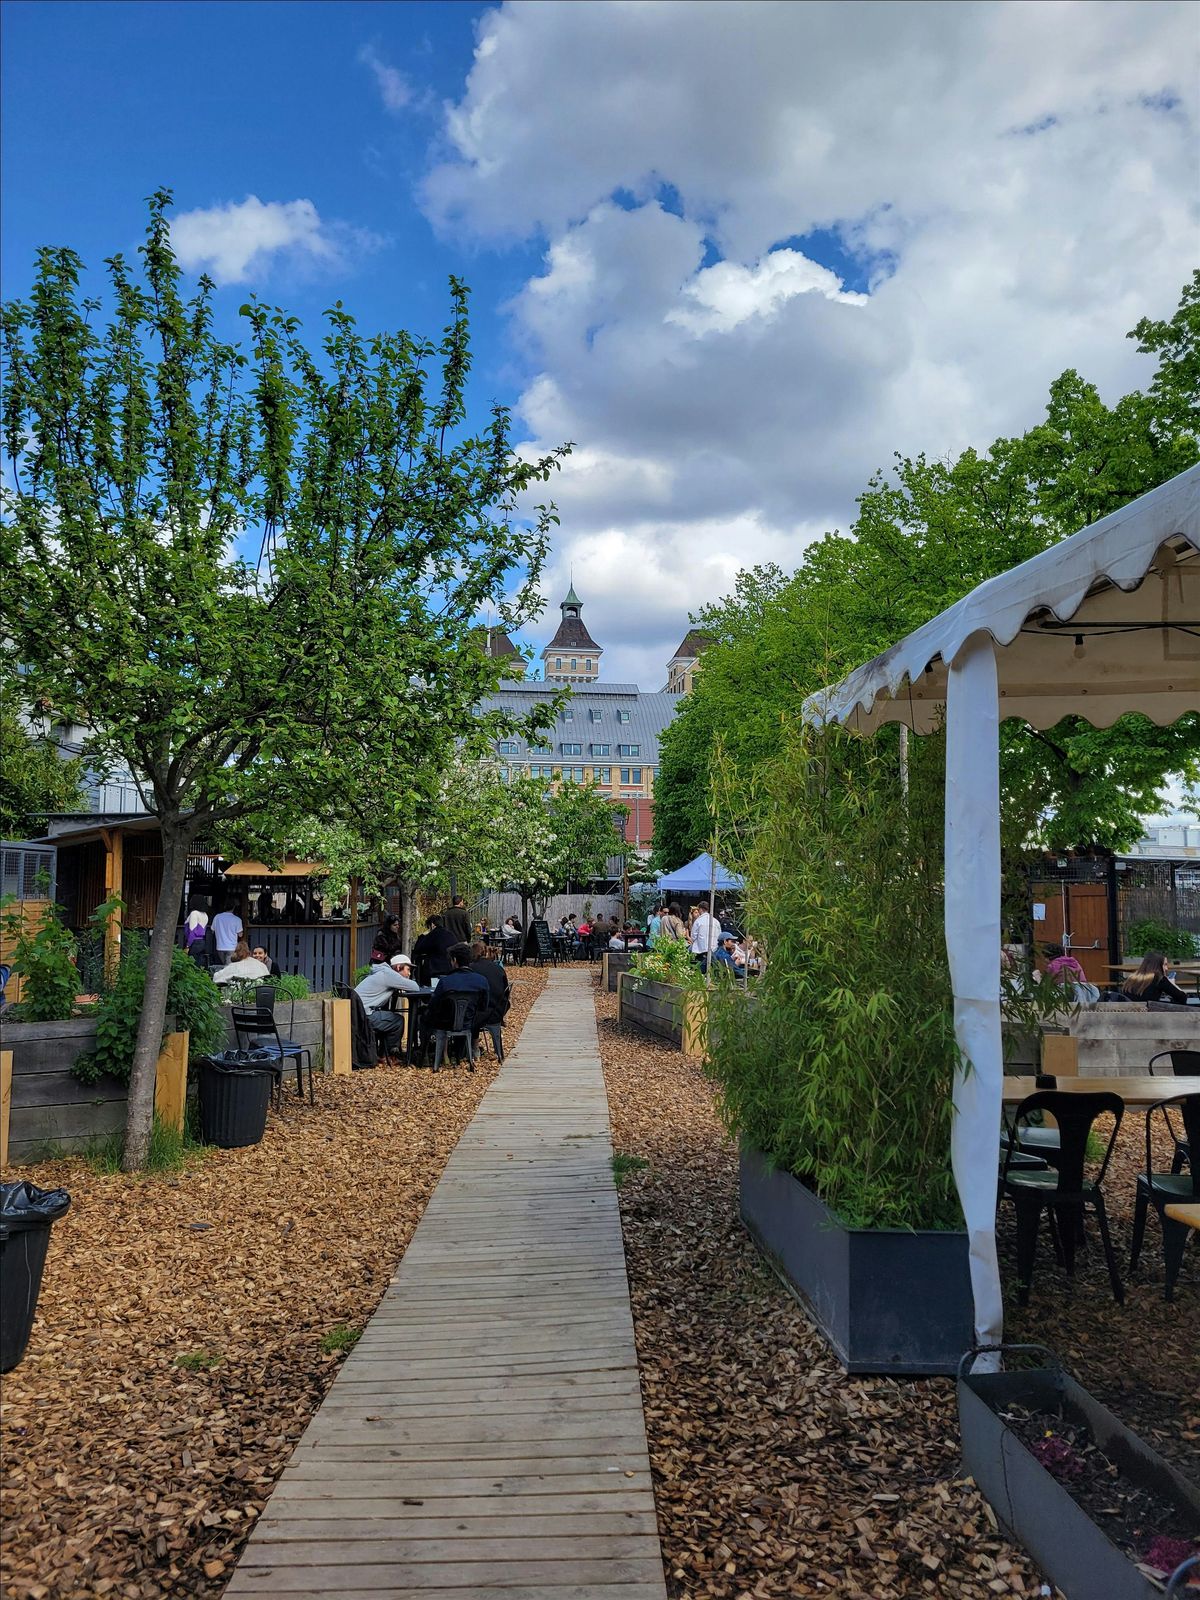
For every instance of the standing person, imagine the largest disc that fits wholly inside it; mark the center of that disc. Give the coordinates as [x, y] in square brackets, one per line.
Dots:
[378, 989]
[432, 950]
[653, 924]
[387, 940]
[671, 924]
[456, 921]
[227, 930]
[705, 937]
[195, 934]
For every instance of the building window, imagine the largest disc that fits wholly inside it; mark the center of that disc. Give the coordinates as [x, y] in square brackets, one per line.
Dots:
[622, 716]
[629, 749]
[572, 774]
[540, 750]
[571, 749]
[631, 774]
[509, 747]
[594, 715]
[601, 775]
[558, 663]
[568, 715]
[589, 666]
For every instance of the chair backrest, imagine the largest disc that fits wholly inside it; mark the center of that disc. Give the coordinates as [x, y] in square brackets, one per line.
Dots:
[464, 1012]
[264, 997]
[1183, 1063]
[1188, 1107]
[1074, 1114]
[254, 1022]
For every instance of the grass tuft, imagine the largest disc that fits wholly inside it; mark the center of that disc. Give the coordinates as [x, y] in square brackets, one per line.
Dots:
[197, 1361]
[623, 1164]
[169, 1151]
[340, 1339]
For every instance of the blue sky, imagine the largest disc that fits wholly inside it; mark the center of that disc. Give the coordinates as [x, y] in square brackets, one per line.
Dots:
[740, 254]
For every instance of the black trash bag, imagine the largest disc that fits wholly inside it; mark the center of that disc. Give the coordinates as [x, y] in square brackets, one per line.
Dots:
[241, 1061]
[26, 1216]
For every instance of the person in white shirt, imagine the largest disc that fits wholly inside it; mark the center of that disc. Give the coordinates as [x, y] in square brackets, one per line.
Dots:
[242, 966]
[227, 930]
[384, 980]
[706, 936]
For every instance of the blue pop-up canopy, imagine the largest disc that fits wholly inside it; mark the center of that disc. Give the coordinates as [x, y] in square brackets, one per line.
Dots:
[697, 878]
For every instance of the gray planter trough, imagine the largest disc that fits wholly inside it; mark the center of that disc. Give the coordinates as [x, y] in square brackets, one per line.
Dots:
[887, 1300]
[1039, 1513]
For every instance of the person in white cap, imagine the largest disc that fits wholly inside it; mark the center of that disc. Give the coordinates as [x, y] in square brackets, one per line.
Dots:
[376, 991]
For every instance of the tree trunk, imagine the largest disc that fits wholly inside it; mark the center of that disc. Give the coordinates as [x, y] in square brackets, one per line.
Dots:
[408, 913]
[139, 1115]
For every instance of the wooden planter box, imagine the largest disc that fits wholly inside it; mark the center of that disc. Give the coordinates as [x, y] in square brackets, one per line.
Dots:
[43, 1104]
[1035, 1509]
[887, 1300]
[321, 1025]
[680, 1015]
[613, 963]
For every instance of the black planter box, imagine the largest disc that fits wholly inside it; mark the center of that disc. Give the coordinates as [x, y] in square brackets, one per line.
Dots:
[1033, 1506]
[887, 1300]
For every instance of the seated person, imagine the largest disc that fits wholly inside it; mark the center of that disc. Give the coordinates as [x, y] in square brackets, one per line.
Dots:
[615, 941]
[431, 953]
[242, 966]
[500, 996]
[460, 980]
[1152, 981]
[387, 941]
[512, 930]
[726, 953]
[378, 990]
[260, 954]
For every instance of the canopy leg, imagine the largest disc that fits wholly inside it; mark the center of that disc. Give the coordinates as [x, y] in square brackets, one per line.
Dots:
[973, 945]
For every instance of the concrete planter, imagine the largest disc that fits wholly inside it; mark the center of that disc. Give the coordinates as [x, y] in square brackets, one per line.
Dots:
[1035, 1509]
[680, 1015]
[887, 1300]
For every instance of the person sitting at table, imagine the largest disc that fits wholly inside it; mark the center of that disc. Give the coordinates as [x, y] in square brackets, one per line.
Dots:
[432, 950]
[387, 941]
[512, 930]
[1152, 981]
[460, 980]
[725, 955]
[615, 941]
[378, 990]
[242, 966]
[499, 992]
[259, 954]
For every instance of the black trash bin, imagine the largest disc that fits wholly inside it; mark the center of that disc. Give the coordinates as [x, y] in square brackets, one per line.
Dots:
[26, 1216]
[234, 1091]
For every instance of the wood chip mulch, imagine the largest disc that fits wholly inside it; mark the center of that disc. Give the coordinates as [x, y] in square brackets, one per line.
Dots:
[177, 1353]
[775, 1474]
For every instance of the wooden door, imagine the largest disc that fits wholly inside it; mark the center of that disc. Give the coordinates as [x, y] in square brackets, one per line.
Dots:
[1086, 909]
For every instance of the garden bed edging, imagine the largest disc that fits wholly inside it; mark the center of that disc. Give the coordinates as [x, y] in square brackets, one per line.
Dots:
[888, 1300]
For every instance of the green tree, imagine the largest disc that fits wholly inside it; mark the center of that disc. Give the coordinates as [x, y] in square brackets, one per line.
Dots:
[34, 779]
[925, 535]
[148, 461]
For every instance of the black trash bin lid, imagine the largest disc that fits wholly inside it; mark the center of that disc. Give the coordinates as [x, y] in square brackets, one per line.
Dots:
[241, 1061]
[23, 1205]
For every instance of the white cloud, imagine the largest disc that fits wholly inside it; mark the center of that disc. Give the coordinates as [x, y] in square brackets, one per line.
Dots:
[1015, 181]
[394, 88]
[238, 241]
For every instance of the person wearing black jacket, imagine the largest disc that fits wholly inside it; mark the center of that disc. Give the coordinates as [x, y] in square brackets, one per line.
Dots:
[456, 921]
[387, 941]
[432, 950]
[497, 982]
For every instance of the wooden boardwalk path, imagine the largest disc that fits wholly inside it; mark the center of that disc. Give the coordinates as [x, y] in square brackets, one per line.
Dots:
[484, 1440]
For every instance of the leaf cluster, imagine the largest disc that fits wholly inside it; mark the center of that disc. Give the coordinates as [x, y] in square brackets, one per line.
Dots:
[193, 999]
[44, 955]
[1148, 934]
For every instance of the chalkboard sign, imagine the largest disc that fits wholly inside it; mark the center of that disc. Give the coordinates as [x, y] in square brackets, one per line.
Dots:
[543, 944]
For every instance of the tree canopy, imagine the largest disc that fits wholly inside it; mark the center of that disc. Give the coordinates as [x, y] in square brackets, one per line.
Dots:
[926, 534]
[34, 779]
[252, 572]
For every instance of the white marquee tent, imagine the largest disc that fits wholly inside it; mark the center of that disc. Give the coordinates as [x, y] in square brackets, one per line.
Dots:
[1103, 623]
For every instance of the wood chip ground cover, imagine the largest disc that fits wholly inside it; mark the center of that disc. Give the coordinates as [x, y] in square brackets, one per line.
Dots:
[189, 1326]
[774, 1473]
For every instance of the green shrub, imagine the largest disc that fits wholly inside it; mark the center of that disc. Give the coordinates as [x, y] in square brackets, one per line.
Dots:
[670, 961]
[359, 974]
[839, 1064]
[193, 999]
[1148, 934]
[287, 986]
[44, 956]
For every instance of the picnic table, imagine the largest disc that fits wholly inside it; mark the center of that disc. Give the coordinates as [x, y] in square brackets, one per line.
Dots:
[1143, 1090]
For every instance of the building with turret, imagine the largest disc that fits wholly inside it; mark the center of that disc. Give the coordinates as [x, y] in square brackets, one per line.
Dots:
[681, 669]
[572, 656]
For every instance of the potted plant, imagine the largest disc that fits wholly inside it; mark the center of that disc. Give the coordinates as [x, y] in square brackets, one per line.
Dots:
[836, 1074]
[1098, 1510]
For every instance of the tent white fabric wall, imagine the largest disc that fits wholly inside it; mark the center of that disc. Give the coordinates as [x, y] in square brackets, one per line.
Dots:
[1103, 623]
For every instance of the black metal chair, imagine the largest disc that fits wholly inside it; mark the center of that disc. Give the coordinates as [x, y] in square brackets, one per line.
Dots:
[1161, 1189]
[259, 1025]
[1184, 1064]
[462, 1029]
[1066, 1192]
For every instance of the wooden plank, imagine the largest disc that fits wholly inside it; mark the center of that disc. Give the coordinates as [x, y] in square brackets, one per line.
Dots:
[485, 1437]
[170, 1081]
[338, 1057]
[6, 1058]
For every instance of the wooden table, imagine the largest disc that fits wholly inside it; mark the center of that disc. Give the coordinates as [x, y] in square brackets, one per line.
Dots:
[1144, 1090]
[1187, 1213]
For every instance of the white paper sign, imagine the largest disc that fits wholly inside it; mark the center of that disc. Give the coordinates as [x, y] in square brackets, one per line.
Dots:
[1039, 911]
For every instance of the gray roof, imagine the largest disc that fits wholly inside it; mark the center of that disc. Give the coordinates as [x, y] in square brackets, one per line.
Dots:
[649, 714]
